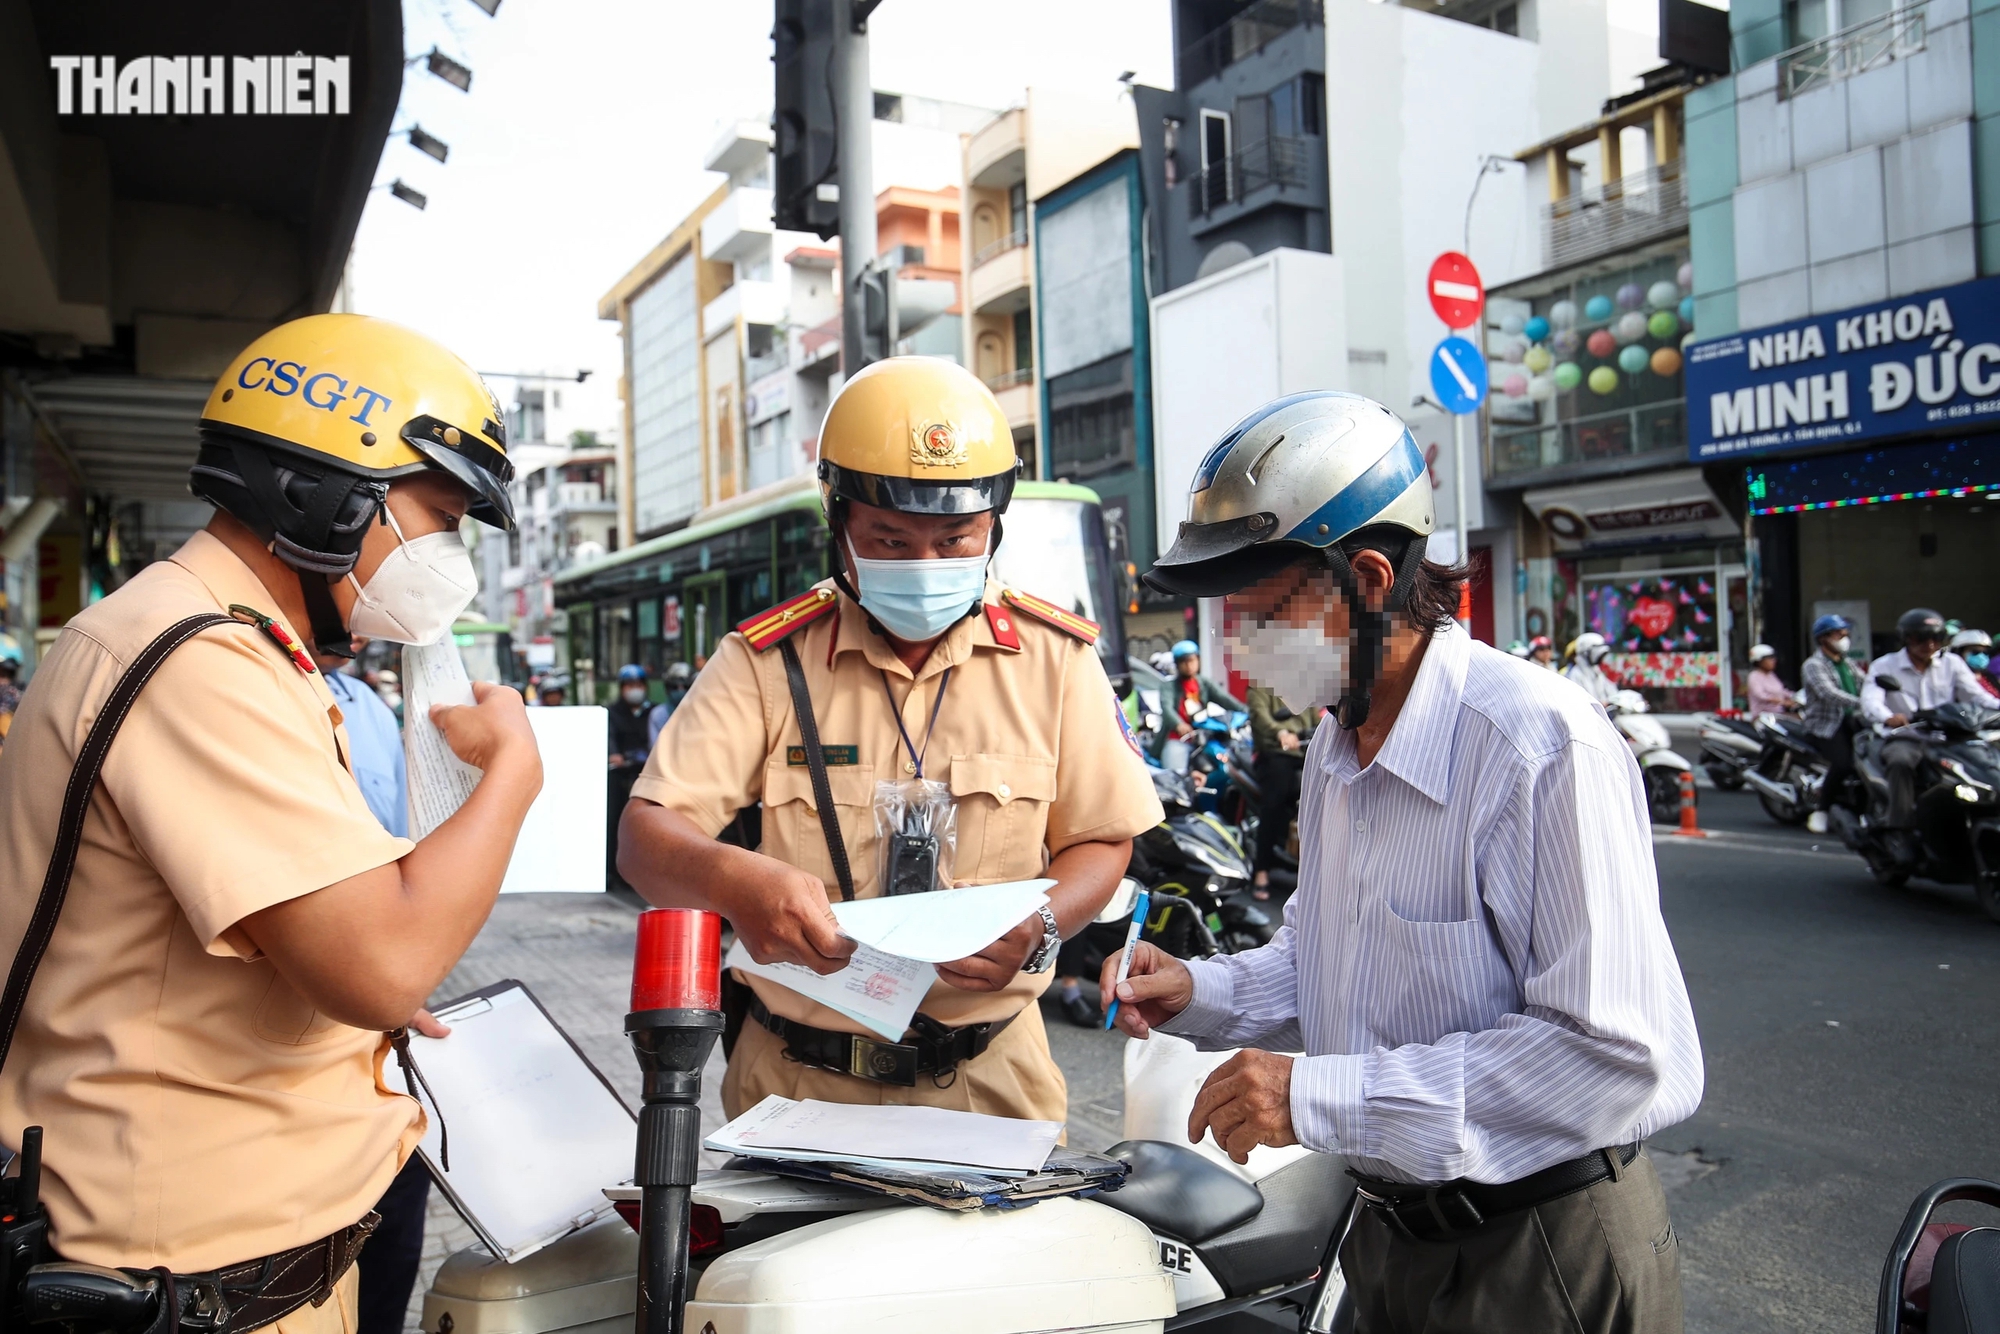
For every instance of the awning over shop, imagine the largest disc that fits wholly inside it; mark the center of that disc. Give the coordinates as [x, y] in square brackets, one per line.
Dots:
[132, 437]
[1652, 507]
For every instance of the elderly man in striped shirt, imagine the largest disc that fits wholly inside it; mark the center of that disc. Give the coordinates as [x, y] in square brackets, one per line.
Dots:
[1474, 963]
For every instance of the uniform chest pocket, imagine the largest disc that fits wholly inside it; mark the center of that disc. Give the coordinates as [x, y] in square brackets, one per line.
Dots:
[1003, 815]
[286, 1017]
[792, 831]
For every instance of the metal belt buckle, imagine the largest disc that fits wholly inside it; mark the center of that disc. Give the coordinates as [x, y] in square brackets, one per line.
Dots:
[202, 1306]
[883, 1062]
[1437, 1215]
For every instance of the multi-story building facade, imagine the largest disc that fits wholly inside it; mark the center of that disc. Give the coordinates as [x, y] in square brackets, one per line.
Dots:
[1844, 191]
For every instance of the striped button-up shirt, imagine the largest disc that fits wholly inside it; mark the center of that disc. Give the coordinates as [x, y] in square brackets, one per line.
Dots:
[1474, 963]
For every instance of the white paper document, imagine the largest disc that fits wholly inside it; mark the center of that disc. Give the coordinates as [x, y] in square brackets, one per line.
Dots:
[919, 1138]
[439, 781]
[880, 991]
[944, 924]
[535, 1132]
[561, 847]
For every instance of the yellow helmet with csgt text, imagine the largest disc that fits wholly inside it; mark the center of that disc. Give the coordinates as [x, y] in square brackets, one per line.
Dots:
[917, 434]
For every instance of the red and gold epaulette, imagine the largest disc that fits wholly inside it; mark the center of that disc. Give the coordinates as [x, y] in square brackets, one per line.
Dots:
[1066, 621]
[278, 635]
[771, 625]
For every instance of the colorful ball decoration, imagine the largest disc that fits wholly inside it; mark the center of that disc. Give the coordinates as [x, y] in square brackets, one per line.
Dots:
[1662, 295]
[1563, 314]
[1537, 359]
[1511, 323]
[1632, 359]
[1565, 343]
[1685, 277]
[1603, 380]
[1602, 345]
[1663, 324]
[1598, 309]
[1631, 296]
[1666, 363]
[1536, 329]
[1568, 375]
[1631, 327]
[1687, 311]
[1514, 386]
[1541, 389]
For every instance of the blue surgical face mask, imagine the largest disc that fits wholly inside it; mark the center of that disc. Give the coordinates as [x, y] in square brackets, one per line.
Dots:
[1977, 661]
[918, 600]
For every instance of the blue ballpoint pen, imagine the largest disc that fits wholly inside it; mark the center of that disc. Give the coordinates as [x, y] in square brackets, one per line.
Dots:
[1138, 923]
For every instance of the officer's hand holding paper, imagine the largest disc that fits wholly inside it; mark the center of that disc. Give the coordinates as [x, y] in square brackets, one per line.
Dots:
[899, 939]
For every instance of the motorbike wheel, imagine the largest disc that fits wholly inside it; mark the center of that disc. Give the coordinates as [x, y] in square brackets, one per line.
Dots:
[1784, 812]
[1728, 779]
[1987, 889]
[1889, 874]
[1663, 794]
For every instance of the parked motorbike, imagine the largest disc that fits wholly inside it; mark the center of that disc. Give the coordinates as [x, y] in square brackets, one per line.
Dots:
[1728, 747]
[1191, 1239]
[1939, 1276]
[1953, 837]
[1660, 765]
[1790, 771]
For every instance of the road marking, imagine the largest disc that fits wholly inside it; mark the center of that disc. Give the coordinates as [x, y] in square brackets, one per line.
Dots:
[1664, 834]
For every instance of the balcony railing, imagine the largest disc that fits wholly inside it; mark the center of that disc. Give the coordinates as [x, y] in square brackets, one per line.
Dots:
[1008, 379]
[1639, 208]
[1011, 241]
[1627, 433]
[1244, 36]
[1865, 46]
[1278, 161]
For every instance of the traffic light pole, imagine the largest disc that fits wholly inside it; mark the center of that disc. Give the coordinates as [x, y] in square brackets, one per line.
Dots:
[854, 94]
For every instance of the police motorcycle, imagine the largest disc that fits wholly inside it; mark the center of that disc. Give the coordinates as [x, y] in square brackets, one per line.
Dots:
[1953, 836]
[1190, 1241]
[1729, 746]
[1939, 1278]
[1660, 765]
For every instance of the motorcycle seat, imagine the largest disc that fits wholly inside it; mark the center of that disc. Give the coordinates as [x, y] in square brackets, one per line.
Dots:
[1965, 1284]
[1173, 1189]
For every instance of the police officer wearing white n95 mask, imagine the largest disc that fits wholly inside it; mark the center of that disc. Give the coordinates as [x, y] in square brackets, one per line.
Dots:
[205, 1038]
[1474, 962]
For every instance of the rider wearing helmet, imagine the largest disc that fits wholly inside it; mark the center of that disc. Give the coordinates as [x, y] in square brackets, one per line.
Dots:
[1768, 694]
[205, 1030]
[1441, 962]
[630, 742]
[1925, 678]
[1190, 691]
[1976, 647]
[676, 680]
[1833, 702]
[1542, 652]
[1587, 655]
[908, 664]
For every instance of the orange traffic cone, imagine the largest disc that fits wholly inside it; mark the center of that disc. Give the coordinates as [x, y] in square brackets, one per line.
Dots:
[1688, 829]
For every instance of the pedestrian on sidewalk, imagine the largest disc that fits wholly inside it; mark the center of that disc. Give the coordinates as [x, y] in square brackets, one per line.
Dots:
[1475, 848]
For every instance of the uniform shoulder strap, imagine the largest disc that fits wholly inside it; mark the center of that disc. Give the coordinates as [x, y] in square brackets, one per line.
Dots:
[773, 624]
[1049, 613]
[76, 805]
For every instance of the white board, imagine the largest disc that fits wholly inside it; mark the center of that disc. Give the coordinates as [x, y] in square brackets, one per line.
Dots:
[535, 1131]
[561, 847]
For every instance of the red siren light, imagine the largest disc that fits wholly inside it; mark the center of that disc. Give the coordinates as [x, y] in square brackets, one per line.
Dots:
[677, 964]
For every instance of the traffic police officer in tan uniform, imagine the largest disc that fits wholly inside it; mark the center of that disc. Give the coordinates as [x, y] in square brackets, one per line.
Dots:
[915, 664]
[204, 1041]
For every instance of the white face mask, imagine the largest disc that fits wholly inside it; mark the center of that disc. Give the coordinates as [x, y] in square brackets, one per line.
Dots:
[634, 694]
[417, 591]
[1842, 644]
[1300, 663]
[918, 600]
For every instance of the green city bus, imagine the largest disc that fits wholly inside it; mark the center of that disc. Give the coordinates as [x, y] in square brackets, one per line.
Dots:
[672, 598]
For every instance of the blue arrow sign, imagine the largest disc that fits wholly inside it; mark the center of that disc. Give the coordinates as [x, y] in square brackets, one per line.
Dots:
[1458, 376]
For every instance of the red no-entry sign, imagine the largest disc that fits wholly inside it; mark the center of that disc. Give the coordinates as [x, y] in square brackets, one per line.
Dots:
[1455, 290]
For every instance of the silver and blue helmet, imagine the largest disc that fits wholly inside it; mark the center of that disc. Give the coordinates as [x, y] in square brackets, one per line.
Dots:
[1295, 477]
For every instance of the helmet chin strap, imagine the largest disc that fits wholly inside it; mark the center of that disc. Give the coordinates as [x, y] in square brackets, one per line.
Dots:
[1371, 627]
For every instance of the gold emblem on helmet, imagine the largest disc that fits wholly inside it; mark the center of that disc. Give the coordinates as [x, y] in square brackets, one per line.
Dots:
[938, 445]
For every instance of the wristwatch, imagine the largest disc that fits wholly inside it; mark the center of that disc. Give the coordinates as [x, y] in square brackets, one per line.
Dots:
[1044, 957]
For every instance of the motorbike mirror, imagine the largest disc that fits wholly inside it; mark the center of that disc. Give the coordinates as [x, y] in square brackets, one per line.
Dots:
[1119, 906]
[1887, 682]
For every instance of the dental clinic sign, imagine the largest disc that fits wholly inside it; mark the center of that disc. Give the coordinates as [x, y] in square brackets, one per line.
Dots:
[294, 85]
[1929, 361]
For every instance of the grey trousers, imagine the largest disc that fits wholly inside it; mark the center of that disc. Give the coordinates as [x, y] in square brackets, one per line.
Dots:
[1602, 1261]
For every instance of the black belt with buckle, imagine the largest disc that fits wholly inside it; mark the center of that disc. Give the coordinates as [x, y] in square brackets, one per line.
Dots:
[936, 1051]
[1459, 1208]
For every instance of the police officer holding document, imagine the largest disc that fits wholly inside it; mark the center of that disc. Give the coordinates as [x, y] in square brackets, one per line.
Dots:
[1474, 964]
[908, 725]
[204, 1039]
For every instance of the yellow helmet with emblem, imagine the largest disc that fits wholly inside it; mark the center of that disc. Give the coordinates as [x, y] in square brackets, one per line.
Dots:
[917, 434]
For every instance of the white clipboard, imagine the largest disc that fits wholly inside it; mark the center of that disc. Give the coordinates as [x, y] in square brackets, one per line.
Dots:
[535, 1130]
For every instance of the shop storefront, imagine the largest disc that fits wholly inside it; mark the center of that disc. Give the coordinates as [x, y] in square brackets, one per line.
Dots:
[1654, 563]
[1870, 439]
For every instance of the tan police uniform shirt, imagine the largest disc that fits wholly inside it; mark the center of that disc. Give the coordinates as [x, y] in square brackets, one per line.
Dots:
[198, 1111]
[1029, 739]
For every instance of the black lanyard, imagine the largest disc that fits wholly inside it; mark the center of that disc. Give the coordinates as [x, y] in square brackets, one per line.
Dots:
[917, 756]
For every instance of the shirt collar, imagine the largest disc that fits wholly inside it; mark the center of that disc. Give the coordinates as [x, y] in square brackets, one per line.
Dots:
[232, 583]
[1418, 750]
[853, 635]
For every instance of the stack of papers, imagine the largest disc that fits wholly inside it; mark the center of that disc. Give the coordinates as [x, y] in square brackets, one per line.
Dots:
[900, 938]
[921, 1139]
[1067, 1172]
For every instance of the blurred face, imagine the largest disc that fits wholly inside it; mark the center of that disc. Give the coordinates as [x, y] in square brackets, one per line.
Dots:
[1922, 649]
[1189, 667]
[1767, 664]
[1542, 652]
[1293, 633]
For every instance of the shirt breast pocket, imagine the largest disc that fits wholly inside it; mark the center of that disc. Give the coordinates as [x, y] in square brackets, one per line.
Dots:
[1438, 977]
[1003, 815]
[792, 831]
